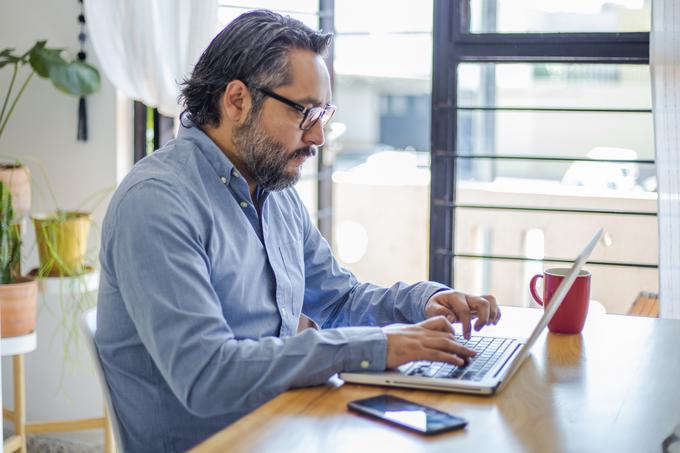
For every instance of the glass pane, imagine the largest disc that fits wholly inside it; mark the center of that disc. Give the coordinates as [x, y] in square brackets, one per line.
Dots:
[601, 185]
[381, 219]
[381, 171]
[559, 16]
[596, 135]
[302, 6]
[553, 85]
[613, 288]
[542, 235]
[226, 14]
[386, 57]
[394, 16]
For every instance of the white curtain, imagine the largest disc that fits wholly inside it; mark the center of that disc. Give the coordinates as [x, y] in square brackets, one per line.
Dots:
[665, 66]
[147, 47]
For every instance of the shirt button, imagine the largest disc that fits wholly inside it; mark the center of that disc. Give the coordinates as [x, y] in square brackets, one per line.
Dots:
[365, 364]
[283, 311]
[244, 204]
[223, 179]
[234, 173]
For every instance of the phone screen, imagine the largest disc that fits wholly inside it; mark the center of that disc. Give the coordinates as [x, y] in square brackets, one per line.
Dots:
[408, 414]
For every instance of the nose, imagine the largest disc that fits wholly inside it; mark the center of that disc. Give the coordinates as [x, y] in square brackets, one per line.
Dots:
[314, 135]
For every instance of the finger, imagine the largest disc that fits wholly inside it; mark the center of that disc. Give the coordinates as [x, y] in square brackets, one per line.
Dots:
[441, 356]
[450, 346]
[460, 307]
[481, 307]
[438, 323]
[441, 310]
[494, 310]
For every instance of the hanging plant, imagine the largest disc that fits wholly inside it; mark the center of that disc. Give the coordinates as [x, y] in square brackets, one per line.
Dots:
[73, 77]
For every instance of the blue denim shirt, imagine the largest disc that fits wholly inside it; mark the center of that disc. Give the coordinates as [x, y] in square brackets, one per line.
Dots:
[200, 299]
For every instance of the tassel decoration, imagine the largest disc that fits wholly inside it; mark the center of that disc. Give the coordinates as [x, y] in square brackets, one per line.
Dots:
[82, 102]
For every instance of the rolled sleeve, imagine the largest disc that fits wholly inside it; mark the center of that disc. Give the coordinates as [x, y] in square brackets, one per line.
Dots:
[369, 352]
[429, 290]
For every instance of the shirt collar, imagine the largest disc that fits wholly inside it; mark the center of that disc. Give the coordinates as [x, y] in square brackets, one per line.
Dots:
[213, 154]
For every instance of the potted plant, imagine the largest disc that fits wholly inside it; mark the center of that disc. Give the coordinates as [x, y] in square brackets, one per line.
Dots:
[62, 236]
[17, 178]
[18, 294]
[67, 273]
[72, 77]
[62, 243]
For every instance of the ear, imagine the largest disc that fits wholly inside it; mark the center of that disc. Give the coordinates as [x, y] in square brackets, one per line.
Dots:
[236, 101]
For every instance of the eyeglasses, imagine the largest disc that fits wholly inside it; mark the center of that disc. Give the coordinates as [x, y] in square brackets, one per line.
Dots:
[310, 115]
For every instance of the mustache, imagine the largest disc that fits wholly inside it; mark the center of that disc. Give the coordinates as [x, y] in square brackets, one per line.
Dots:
[307, 151]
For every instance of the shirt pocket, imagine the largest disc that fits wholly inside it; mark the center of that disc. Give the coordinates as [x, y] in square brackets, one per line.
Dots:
[294, 265]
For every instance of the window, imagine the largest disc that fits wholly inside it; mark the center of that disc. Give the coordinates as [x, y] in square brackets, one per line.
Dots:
[381, 157]
[542, 132]
[151, 130]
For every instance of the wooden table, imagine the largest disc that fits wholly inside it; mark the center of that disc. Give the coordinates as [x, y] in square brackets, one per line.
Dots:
[613, 388]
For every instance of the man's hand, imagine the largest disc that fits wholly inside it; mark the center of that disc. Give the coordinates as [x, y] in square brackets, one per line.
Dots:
[460, 307]
[432, 339]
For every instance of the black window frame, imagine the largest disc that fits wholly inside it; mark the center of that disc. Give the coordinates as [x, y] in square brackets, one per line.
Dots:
[148, 138]
[452, 45]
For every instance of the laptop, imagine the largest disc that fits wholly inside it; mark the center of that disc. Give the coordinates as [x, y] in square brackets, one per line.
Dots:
[496, 361]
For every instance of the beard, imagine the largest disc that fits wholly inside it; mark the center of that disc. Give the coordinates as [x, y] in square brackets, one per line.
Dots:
[265, 158]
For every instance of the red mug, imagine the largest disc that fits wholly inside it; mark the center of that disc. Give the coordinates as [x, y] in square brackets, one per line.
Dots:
[571, 316]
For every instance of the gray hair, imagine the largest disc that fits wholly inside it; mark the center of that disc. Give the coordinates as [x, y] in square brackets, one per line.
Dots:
[254, 49]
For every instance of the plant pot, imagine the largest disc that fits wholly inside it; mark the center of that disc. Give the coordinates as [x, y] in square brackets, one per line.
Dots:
[18, 178]
[74, 286]
[62, 242]
[18, 307]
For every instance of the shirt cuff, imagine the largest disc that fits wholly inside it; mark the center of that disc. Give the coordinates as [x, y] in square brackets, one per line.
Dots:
[429, 290]
[367, 349]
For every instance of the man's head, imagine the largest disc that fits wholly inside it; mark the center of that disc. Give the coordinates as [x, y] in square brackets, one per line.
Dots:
[262, 91]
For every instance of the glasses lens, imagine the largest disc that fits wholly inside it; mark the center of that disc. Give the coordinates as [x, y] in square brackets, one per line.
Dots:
[328, 113]
[312, 117]
[317, 113]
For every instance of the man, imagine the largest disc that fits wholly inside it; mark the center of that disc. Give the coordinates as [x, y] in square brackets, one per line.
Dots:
[209, 257]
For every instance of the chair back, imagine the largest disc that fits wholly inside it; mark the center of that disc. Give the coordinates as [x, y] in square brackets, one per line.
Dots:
[88, 326]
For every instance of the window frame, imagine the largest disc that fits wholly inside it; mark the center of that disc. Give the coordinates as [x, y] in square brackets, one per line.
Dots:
[453, 45]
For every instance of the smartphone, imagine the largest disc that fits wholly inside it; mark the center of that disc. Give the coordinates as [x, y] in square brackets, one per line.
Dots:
[407, 414]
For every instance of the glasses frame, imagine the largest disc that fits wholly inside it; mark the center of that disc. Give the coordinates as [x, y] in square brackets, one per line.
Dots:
[305, 111]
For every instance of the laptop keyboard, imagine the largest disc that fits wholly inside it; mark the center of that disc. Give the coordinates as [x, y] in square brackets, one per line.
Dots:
[489, 350]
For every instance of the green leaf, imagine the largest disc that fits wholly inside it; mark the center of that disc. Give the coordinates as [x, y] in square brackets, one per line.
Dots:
[6, 57]
[37, 45]
[43, 59]
[75, 78]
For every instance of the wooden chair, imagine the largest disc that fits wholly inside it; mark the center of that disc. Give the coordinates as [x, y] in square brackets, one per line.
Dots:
[646, 304]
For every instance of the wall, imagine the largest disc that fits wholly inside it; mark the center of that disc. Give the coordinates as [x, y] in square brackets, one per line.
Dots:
[43, 127]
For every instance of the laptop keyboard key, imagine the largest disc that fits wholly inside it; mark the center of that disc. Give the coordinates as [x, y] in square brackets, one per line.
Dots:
[489, 351]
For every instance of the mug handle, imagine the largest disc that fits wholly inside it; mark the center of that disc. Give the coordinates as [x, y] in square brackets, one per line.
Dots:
[532, 288]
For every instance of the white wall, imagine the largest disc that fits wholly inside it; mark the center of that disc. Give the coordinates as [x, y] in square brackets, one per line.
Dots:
[43, 127]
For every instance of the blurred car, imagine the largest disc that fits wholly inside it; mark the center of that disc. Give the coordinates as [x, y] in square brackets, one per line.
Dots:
[605, 175]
